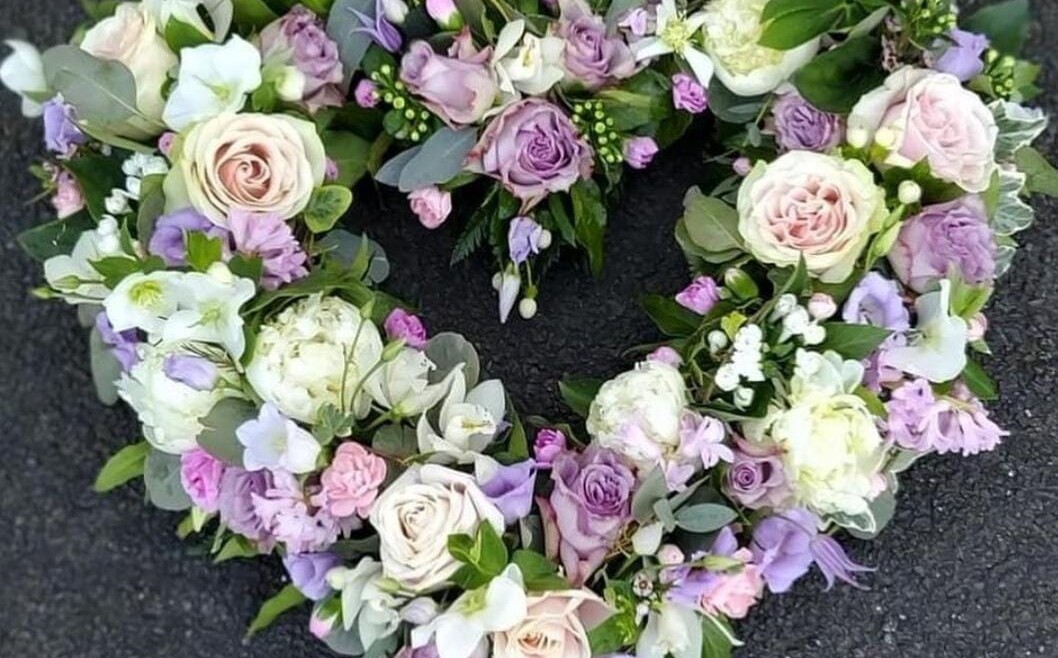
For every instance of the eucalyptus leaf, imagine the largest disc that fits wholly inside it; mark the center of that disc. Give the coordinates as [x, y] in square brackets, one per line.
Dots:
[390, 173]
[106, 369]
[704, 517]
[439, 160]
[652, 489]
[345, 28]
[345, 247]
[161, 474]
[449, 350]
[218, 434]
[103, 91]
[395, 441]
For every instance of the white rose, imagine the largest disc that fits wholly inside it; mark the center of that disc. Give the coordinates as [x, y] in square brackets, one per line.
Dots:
[808, 205]
[171, 411]
[649, 401]
[304, 355]
[414, 517]
[263, 163]
[732, 29]
[925, 115]
[131, 37]
[555, 626]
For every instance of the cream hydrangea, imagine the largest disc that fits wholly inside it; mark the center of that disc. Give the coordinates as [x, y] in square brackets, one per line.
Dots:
[831, 450]
[732, 31]
[315, 353]
[170, 410]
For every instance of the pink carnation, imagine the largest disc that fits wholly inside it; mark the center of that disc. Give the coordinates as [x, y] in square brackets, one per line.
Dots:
[351, 483]
[403, 325]
[200, 475]
[268, 237]
[286, 514]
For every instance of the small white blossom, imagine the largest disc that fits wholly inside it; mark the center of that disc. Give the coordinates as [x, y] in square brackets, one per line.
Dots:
[214, 79]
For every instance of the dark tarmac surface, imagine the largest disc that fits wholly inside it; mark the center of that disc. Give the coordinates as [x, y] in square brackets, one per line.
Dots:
[966, 570]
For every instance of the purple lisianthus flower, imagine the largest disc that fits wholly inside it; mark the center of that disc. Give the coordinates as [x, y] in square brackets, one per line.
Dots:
[592, 57]
[460, 88]
[235, 503]
[756, 480]
[300, 37]
[169, 239]
[401, 325]
[123, 344]
[700, 296]
[639, 152]
[366, 94]
[523, 239]
[800, 126]
[588, 508]
[62, 135]
[268, 237]
[200, 475]
[285, 514]
[688, 94]
[308, 572]
[511, 490]
[961, 56]
[786, 546]
[549, 444]
[876, 301]
[533, 149]
[195, 371]
[945, 237]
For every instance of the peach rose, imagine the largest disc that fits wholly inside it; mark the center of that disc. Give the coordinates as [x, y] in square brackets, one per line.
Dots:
[350, 484]
[556, 626]
[819, 207]
[260, 163]
[925, 115]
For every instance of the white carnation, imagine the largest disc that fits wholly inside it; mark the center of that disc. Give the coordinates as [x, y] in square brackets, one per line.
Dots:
[315, 353]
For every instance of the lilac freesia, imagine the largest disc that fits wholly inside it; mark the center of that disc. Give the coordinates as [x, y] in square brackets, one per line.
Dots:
[195, 371]
[284, 513]
[300, 38]
[920, 421]
[961, 56]
[700, 296]
[169, 239]
[523, 239]
[511, 489]
[639, 152]
[549, 444]
[235, 503]
[786, 546]
[800, 126]
[876, 300]
[401, 325]
[588, 508]
[308, 572]
[62, 135]
[688, 94]
[123, 344]
[460, 88]
[267, 236]
[593, 58]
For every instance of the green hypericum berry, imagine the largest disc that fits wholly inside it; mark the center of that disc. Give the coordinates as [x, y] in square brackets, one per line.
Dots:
[409, 114]
[400, 103]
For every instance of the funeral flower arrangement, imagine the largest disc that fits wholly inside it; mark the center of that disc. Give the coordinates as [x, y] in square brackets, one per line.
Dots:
[872, 161]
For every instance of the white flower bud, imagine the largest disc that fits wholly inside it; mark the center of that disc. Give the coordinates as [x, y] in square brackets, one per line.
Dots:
[107, 226]
[497, 280]
[545, 239]
[727, 378]
[419, 611]
[784, 306]
[909, 192]
[717, 340]
[290, 84]
[109, 244]
[527, 308]
[886, 138]
[117, 203]
[743, 397]
[822, 306]
[647, 538]
[814, 334]
[670, 555]
[857, 137]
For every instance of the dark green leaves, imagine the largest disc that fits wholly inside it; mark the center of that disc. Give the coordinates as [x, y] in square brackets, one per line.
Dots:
[791, 23]
[56, 237]
[835, 80]
[1006, 24]
[484, 556]
[579, 393]
[853, 341]
[350, 153]
[203, 251]
[589, 221]
[287, 598]
[978, 381]
[538, 572]
[125, 465]
[671, 318]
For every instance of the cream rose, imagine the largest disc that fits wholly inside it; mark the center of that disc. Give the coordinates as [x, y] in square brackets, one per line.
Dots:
[414, 517]
[556, 626]
[924, 115]
[131, 37]
[819, 207]
[263, 163]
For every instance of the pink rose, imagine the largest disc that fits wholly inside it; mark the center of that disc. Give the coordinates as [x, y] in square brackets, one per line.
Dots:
[431, 205]
[556, 626]
[734, 593]
[924, 115]
[68, 199]
[350, 484]
[459, 88]
[401, 325]
[200, 475]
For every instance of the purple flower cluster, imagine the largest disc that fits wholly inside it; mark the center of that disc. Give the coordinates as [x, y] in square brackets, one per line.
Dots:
[800, 126]
[921, 422]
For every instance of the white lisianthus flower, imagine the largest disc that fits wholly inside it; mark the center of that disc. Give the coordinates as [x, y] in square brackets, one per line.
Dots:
[525, 62]
[674, 34]
[367, 600]
[220, 12]
[937, 349]
[462, 629]
[209, 309]
[273, 441]
[403, 384]
[131, 36]
[214, 80]
[414, 517]
[145, 301]
[467, 422]
[732, 31]
[830, 446]
[22, 72]
[171, 410]
[637, 414]
[72, 275]
[315, 353]
[672, 630]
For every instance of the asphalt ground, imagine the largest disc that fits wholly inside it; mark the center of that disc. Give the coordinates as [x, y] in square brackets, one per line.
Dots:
[966, 569]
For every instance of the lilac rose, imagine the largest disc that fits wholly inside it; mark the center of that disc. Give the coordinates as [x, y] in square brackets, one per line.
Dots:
[756, 480]
[459, 88]
[593, 57]
[800, 126]
[534, 150]
[300, 38]
[588, 508]
[961, 56]
[945, 237]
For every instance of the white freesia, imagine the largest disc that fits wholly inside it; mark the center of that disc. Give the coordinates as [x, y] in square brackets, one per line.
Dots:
[937, 346]
[220, 12]
[72, 275]
[144, 301]
[367, 600]
[672, 630]
[403, 384]
[732, 30]
[131, 36]
[462, 629]
[170, 410]
[315, 353]
[23, 73]
[214, 80]
[273, 441]
[209, 309]
[414, 517]
[675, 34]
[467, 421]
[525, 62]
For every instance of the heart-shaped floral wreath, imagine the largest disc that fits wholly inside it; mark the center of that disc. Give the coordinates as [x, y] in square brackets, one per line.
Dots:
[871, 162]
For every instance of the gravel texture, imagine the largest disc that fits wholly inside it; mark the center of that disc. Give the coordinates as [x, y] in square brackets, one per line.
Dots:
[965, 570]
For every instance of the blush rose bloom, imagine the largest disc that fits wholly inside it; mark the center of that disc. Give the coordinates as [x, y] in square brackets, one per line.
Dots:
[131, 36]
[819, 207]
[414, 517]
[533, 149]
[925, 115]
[459, 88]
[260, 163]
[350, 484]
[556, 626]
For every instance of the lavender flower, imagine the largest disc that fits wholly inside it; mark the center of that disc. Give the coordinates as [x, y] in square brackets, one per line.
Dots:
[786, 546]
[301, 39]
[378, 28]
[169, 239]
[308, 572]
[876, 300]
[62, 135]
[284, 513]
[270, 238]
[756, 480]
[800, 126]
[366, 94]
[524, 238]
[688, 95]
[639, 152]
[123, 344]
[700, 296]
[961, 56]
[511, 490]
[549, 444]
[592, 57]
[238, 487]
[910, 408]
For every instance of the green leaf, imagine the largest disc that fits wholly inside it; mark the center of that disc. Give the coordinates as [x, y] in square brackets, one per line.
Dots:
[1040, 176]
[152, 205]
[123, 466]
[731, 108]
[704, 517]
[485, 554]
[395, 441]
[202, 250]
[326, 207]
[345, 28]
[97, 175]
[439, 160]
[518, 443]
[390, 173]
[670, 317]
[979, 382]
[589, 221]
[55, 238]
[289, 597]
[881, 509]
[716, 638]
[579, 393]
[791, 23]
[539, 573]
[873, 402]
[853, 341]
[103, 91]
[161, 474]
[448, 350]
[1012, 214]
[346, 248]
[350, 153]
[180, 35]
[711, 224]
[218, 433]
[608, 637]
[1018, 126]
[106, 369]
[836, 80]
[237, 546]
[1006, 24]
[251, 267]
[652, 489]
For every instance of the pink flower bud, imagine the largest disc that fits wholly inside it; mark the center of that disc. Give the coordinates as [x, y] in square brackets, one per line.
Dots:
[978, 327]
[670, 555]
[366, 94]
[822, 306]
[431, 205]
